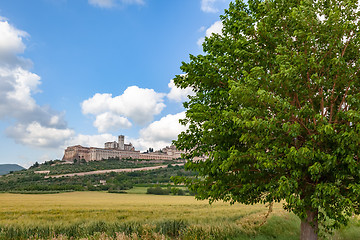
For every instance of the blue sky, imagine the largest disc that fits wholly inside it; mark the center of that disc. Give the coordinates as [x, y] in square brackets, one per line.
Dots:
[85, 71]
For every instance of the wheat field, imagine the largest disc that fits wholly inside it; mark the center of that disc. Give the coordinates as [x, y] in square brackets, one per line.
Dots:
[76, 206]
[100, 215]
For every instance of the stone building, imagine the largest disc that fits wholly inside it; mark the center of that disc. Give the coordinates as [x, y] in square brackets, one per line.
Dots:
[120, 145]
[118, 150]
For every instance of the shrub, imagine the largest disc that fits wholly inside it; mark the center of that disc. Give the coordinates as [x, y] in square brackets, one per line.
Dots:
[116, 191]
[177, 191]
[158, 191]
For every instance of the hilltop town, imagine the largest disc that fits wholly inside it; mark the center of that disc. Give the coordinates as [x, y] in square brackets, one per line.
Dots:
[119, 150]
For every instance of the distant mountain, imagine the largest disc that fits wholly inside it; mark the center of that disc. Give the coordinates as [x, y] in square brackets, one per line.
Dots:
[7, 168]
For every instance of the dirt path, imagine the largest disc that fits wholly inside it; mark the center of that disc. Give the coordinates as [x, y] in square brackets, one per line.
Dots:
[112, 170]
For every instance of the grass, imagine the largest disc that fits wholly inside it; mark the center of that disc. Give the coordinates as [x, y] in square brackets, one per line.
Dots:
[79, 206]
[95, 165]
[137, 190]
[100, 215]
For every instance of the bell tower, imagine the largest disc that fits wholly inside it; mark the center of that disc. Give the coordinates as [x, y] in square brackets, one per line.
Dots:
[121, 142]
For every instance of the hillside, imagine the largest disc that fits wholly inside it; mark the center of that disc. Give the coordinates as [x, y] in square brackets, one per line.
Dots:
[7, 168]
[105, 177]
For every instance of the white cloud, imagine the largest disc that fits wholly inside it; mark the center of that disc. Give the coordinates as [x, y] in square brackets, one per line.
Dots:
[102, 3]
[16, 87]
[166, 129]
[140, 2]
[200, 41]
[160, 133]
[178, 94]
[202, 28]
[54, 120]
[157, 135]
[43, 158]
[213, 6]
[208, 6]
[143, 144]
[35, 125]
[108, 121]
[113, 3]
[215, 28]
[98, 104]
[34, 134]
[90, 140]
[138, 104]
[11, 39]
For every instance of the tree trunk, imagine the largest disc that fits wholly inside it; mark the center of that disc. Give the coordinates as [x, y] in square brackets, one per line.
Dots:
[309, 226]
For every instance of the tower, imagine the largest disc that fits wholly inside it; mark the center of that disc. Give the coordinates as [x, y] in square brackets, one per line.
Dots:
[121, 142]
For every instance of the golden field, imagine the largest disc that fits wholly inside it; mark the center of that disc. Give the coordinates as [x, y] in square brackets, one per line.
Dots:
[100, 215]
[80, 206]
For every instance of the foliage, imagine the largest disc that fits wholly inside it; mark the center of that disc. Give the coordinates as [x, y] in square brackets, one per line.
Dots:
[276, 113]
[158, 191]
[171, 228]
[35, 165]
[28, 181]
[57, 167]
[116, 191]
[178, 191]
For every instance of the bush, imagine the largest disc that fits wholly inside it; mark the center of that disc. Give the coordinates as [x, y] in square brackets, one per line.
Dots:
[181, 192]
[178, 191]
[158, 191]
[116, 191]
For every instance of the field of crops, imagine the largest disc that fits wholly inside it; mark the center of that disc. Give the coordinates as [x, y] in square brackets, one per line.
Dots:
[98, 215]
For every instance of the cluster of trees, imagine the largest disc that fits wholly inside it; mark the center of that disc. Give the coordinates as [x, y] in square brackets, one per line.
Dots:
[46, 163]
[27, 180]
[82, 166]
[157, 190]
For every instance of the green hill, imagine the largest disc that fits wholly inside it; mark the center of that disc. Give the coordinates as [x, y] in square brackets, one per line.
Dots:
[7, 168]
[42, 177]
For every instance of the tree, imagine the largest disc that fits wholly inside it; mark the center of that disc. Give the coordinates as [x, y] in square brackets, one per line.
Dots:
[277, 110]
[35, 165]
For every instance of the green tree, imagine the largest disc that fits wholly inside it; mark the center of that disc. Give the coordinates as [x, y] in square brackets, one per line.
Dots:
[277, 109]
[35, 165]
